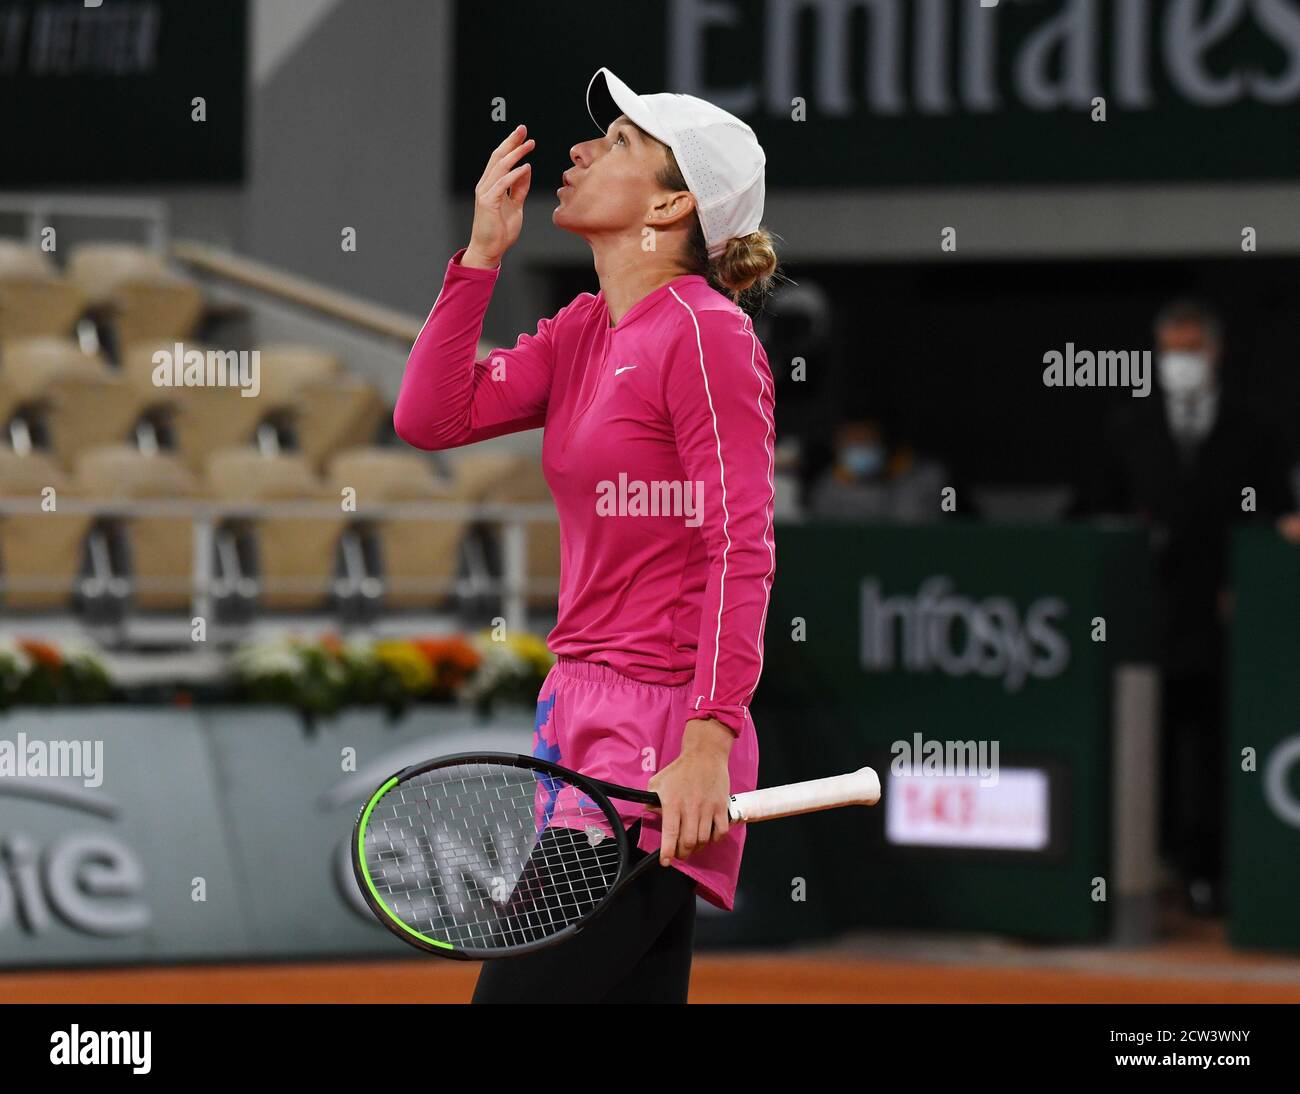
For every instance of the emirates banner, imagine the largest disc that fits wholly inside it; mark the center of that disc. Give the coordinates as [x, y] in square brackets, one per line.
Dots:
[888, 92]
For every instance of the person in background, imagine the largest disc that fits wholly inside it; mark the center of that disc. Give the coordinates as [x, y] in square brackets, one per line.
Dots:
[873, 480]
[1179, 461]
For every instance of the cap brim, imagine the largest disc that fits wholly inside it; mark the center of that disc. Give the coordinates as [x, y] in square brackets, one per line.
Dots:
[608, 97]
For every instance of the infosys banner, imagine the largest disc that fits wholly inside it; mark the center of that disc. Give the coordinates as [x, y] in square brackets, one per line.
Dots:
[1263, 762]
[884, 92]
[122, 91]
[976, 669]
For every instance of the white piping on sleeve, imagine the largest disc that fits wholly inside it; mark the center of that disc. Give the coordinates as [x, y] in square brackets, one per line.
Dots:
[769, 446]
[722, 477]
[768, 537]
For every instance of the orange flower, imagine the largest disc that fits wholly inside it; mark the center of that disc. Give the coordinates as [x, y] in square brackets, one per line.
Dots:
[41, 652]
[332, 644]
[453, 657]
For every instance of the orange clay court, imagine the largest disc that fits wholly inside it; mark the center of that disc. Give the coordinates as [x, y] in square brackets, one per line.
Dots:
[1197, 968]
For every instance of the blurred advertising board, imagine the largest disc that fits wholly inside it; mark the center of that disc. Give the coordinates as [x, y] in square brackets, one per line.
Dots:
[129, 91]
[291, 806]
[915, 92]
[992, 676]
[123, 857]
[1263, 760]
[200, 834]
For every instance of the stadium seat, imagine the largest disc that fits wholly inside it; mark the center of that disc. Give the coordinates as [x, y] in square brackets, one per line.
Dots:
[511, 477]
[332, 417]
[295, 554]
[419, 557]
[287, 369]
[301, 388]
[34, 298]
[161, 548]
[527, 484]
[159, 406]
[99, 268]
[133, 289]
[20, 257]
[329, 410]
[78, 401]
[476, 473]
[42, 547]
[205, 419]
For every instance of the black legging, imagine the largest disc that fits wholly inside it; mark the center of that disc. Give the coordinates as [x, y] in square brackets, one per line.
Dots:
[638, 950]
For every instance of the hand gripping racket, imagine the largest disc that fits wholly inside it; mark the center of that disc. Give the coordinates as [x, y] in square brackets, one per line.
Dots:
[490, 854]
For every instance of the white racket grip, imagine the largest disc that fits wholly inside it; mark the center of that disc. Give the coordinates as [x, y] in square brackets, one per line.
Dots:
[861, 787]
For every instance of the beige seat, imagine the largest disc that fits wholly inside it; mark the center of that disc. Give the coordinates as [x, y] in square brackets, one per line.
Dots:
[476, 473]
[99, 268]
[43, 548]
[34, 298]
[420, 556]
[303, 387]
[19, 257]
[161, 547]
[210, 420]
[295, 553]
[337, 416]
[286, 369]
[329, 409]
[206, 419]
[82, 402]
[137, 369]
[527, 484]
[510, 477]
[133, 288]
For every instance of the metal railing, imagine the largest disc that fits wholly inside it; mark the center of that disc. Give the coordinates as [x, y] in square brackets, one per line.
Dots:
[272, 282]
[38, 210]
[208, 515]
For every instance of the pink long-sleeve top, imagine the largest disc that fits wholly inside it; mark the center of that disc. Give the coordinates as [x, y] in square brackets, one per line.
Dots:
[658, 449]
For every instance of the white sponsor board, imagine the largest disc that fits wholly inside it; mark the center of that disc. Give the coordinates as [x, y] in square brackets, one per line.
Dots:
[1013, 814]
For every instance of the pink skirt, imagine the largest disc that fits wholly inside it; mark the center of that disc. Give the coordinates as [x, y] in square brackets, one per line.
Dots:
[609, 726]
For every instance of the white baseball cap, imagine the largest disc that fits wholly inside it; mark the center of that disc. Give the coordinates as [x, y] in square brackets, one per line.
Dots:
[721, 159]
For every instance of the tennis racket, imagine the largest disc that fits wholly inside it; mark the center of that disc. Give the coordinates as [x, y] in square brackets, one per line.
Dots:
[490, 854]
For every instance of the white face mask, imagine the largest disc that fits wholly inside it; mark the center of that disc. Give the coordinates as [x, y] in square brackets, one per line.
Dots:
[1182, 373]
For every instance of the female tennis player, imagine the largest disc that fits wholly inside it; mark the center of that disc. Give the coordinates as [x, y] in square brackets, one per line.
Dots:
[657, 406]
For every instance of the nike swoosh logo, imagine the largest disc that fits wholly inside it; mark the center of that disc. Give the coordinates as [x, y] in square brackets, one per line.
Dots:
[624, 368]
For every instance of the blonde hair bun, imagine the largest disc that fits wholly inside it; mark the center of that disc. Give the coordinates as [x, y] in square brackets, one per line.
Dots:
[748, 262]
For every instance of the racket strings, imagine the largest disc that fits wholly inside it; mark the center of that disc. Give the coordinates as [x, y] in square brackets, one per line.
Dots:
[488, 857]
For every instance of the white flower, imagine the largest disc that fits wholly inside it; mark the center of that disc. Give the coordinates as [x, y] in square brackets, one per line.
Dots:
[268, 657]
[499, 663]
[84, 652]
[13, 658]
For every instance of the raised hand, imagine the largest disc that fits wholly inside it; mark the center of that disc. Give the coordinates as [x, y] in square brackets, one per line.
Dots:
[499, 201]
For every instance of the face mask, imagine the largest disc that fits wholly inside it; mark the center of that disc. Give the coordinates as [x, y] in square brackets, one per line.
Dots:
[863, 460]
[1182, 373]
